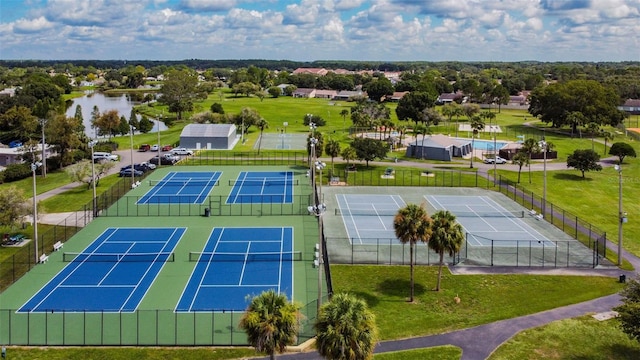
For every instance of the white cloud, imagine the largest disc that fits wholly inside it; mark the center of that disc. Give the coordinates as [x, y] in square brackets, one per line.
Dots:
[32, 26]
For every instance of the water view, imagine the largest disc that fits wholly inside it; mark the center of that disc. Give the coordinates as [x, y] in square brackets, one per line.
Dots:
[123, 103]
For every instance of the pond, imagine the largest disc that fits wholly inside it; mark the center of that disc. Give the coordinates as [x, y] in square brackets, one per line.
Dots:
[123, 103]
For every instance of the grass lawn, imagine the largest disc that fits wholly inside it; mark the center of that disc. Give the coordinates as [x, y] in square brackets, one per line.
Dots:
[594, 198]
[484, 298]
[141, 353]
[579, 338]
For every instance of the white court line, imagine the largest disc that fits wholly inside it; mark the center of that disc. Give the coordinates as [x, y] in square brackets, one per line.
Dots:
[528, 229]
[204, 273]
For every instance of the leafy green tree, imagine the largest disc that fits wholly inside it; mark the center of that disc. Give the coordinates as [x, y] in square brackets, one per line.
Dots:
[346, 329]
[447, 236]
[19, 122]
[13, 206]
[594, 129]
[62, 133]
[470, 110]
[622, 150]
[629, 311]
[271, 323]
[412, 105]
[247, 117]
[216, 108]
[450, 110]
[521, 159]
[123, 128]
[368, 149]
[133, 119]
[584, 160]
[500, 96]
[108, 123]
[596, 103]
[145, 125]
[379, 88]
[81, 171]
[366, 114]
[275, 91]
[179, 90]
[412, 224]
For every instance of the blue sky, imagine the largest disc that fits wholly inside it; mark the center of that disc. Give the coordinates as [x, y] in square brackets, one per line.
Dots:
[307, 30]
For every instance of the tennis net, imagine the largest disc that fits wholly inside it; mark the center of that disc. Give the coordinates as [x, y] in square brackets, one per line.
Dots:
[112, 257]
[263, 182]
[393, 212]
[182, 183]
[245, 257]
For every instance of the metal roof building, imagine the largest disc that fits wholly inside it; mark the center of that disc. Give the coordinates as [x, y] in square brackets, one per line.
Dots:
[208, 136]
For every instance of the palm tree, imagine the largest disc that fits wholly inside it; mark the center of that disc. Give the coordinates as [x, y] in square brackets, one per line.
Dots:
[344, 113]
[488, 115]
[477, 124]
[530, 147]
[520, 159]
[423, 130]
[332, 148]
[446, 236]
[271, 322]
[261, 124]
[346, 329]
[594, 129]
[412, 224]
[607, 135]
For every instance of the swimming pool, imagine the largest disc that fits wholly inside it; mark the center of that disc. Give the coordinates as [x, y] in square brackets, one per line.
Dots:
[485, 144]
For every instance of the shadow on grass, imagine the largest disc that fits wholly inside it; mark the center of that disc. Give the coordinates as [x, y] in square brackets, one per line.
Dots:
[572, 177]
[621, 351]
[400, 288]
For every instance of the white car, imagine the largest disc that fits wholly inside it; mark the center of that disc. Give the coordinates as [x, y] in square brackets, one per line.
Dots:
[154, 148]
[104, 156]
[181, 151]
[497, 160]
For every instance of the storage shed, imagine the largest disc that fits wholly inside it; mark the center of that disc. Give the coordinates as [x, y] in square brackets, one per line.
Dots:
[208, 136]
[438, 147]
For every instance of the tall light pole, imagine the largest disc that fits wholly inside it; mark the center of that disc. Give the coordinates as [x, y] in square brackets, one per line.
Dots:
[44, 154]
[131, 140]
[622, 216]
[545, 147]
[34, 167]
[159, 144]
[318, 209]
[495, 157]
[93, 179]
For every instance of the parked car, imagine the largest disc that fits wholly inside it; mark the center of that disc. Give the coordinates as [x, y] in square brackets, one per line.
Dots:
[163, 160]
[155, 148]
[144, 167]
[181, 151]
[144, 147]
[127, 172]
[167, 148]
[104, 156]
[497, 160]
[149, 165]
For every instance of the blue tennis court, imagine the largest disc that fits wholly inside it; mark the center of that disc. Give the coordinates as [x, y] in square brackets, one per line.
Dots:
[237, 264]
[112, 274]
[185, 187]
[262, 187]
[368, 218]
[487, 223]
